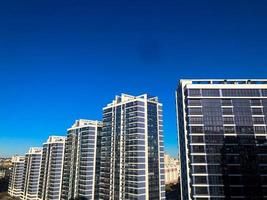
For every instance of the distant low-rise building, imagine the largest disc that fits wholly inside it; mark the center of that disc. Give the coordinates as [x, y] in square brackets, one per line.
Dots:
[5, 163]
[2, 173]
[172, 171]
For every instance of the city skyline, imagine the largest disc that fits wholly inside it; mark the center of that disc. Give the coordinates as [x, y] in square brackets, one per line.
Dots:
[122, 156]
[62, 61]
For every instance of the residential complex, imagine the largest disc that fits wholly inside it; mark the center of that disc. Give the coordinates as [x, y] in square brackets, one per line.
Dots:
[15, 181]
[222, 135]
[80, 170]
[132, 150]
[31, 174]
[172, 169]
[51, 168]
[121, 158]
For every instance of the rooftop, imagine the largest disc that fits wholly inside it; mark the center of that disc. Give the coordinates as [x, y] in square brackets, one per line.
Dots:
[85, 122]
[225, 81]
[17, 159]
[35, 150]
[53, 139]
[123, 98]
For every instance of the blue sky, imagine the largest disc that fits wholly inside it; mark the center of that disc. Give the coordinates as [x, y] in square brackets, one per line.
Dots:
[65, 60]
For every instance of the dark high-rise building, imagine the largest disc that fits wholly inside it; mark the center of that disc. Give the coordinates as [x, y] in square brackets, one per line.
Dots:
[81, 161]
[222, 139]
[132, 150]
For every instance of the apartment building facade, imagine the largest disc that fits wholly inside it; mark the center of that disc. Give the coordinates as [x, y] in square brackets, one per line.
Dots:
[81, 161]
[132, 149]
[222, 138]
[32, 166]
[51, 168]
[16, 176]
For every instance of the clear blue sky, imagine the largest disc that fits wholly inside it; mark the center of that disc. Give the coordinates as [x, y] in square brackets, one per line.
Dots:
[65, 60]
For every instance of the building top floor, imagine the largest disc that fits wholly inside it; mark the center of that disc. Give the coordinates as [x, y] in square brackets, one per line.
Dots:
[225, 81]
[125, 98]
[17, 159]
[85, 122]
[55, 139]
[35, 150]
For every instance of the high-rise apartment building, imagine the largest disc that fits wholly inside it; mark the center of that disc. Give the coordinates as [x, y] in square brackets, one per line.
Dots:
[51, 168]
[15, 180]
[31, 174]
[132, 150]
[223, 140]
[81, 161]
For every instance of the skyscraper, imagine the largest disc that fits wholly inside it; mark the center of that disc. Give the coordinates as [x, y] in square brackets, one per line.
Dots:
[51, 168]
[15, 181]
[132, 150]
[31, 173]
[81, 168]
[222, 137]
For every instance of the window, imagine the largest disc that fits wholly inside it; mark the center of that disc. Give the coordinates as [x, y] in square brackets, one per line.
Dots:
[241, 102]
[243, 120]
[194, 102]
[195, 120]
[200, 179]
[214, 169]
[199, 159]
[196, 129]
[200, 190]
[213, 129]
[214, 139]
[197, 139]
[259, 129]
[228, 120]
[213, 120]
[194, 111]
[213, 148]
[255, 102]
[197, 149]
[264, 92]
[258, 120]
[215, 180]
[216, 191]
[199, 169]
[211, 159]
[194, 92]
[257, 111]
[240, 92]
[245, 129]
[210, 92]
[226, 102]
[227, 111]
